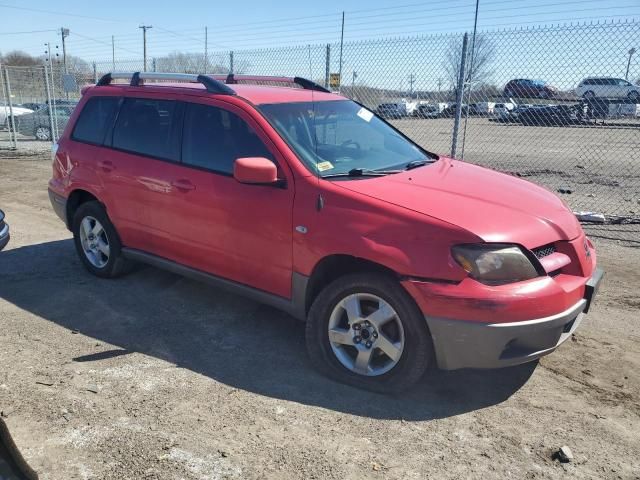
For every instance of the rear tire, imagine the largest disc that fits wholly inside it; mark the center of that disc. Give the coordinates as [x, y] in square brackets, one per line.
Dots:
[97, 242]
[397, 344]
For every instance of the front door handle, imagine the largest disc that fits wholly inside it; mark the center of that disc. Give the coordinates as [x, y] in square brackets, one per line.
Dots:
[106, 165]
[183, 185]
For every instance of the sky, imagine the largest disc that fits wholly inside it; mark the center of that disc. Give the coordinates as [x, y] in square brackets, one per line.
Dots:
[256, 24]
[262, 24]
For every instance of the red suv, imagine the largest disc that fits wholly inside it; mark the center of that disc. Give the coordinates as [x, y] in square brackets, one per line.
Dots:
[397, 258]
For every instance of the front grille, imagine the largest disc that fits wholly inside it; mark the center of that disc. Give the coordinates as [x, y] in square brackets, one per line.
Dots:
[544, 251]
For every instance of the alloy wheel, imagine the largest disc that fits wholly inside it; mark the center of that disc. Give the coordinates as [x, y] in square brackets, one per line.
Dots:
[366, 334]
[94, 241]
[43, 133]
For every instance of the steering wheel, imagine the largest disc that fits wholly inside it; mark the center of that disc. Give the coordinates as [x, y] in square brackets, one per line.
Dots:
[349, 143]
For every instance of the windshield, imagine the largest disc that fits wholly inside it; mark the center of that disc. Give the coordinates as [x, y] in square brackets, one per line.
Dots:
[344, 136]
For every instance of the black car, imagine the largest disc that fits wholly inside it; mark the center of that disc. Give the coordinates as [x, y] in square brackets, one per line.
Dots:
[4, 231]
[392, 110]
[550, 115]
[523, 87]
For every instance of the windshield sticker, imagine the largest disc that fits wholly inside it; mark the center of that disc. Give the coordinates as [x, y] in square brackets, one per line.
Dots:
[322, 166]
[365, 114]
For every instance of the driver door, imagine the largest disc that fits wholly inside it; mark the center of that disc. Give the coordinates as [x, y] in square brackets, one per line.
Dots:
[216, 224]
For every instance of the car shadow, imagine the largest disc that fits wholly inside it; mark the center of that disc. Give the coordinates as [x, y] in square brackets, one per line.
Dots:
[223, 336]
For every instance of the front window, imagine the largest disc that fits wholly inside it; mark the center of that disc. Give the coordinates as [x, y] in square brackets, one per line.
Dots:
[336, 137]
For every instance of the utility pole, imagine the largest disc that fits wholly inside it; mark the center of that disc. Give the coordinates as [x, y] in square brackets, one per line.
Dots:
[412, 79]
[64, 33]
[354, 75]
[144, 43]
[439, 87]
[113, 54]
[341, 44]
[630, 52]
[206, 49]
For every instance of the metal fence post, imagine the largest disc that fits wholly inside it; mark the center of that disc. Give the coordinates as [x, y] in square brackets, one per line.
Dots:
[459, 91]
[12, 120]
[95, 73]
[49, 103]
[231, 61]
[327, 68]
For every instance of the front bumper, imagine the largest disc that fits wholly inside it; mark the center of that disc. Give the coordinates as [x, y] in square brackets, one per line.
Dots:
[472, 344]
[4, 235]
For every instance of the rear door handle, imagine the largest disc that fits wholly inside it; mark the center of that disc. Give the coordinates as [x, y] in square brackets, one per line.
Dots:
[106, 165]
[183, 185]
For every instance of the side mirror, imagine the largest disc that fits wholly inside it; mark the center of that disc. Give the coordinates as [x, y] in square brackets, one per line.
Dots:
[255, 170]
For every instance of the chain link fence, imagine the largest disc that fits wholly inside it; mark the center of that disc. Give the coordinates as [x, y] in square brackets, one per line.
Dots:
[557, 105]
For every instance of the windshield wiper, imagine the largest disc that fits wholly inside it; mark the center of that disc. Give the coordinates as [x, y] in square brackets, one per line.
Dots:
[361, 172]
[416, 163]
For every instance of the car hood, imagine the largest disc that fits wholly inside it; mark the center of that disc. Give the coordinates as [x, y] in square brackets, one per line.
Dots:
[494, 206]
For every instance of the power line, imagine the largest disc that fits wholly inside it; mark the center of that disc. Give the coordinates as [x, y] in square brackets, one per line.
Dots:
[189, 37]
[28, 32]
[104, 43]
[53, 12]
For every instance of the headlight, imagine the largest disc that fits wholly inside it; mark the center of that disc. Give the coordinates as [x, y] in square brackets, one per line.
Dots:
[494, 264]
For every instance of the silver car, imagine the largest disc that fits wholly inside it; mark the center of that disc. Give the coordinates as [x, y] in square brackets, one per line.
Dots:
[608, 87]
[37, 124]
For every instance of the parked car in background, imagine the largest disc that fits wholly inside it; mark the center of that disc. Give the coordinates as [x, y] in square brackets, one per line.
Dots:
[32, 106]
[429, 110]
[450, 111]
[482, 108]
[5, 114]
[608, 87]
[4, 231]
[38, 124]
[522, 87]
[550, 115]
[501, 109]
[392, 110]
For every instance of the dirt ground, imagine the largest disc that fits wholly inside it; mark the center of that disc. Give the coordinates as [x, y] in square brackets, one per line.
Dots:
[153, 376]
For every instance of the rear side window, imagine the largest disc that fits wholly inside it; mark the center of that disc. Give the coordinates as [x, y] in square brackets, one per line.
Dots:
[94, 120]
[214, 138]
[148, 127]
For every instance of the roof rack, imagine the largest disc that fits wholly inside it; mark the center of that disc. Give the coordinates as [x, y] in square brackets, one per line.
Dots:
[213, 83]
[303, 82]
[137, 79]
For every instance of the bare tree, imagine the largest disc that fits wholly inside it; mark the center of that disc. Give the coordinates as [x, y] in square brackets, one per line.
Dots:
[18, 58]
[479, 69]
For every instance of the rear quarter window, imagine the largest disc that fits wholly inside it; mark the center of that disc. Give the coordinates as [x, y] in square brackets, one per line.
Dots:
[95, 119]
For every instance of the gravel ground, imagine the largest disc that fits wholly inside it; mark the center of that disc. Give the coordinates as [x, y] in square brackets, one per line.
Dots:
[153, 376]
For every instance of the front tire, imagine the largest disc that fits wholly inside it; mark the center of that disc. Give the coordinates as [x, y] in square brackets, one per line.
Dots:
[365, 330]
[634, 96]
[97, 242]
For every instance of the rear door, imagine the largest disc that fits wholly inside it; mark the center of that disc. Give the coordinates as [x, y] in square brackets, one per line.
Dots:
[136, 170]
